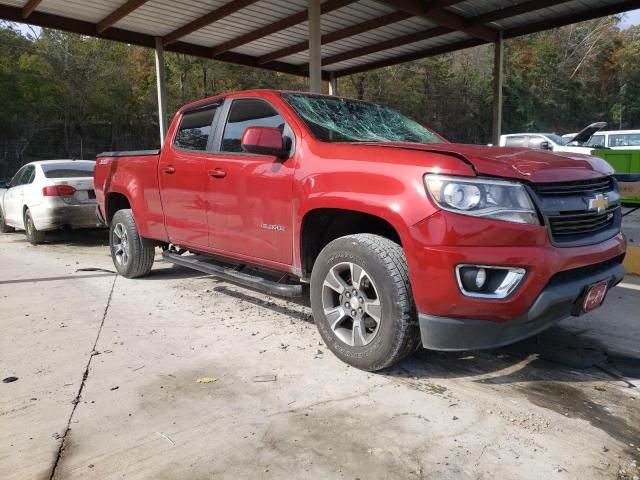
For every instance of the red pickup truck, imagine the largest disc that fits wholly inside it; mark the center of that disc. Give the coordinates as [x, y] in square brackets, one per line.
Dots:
[404, 239]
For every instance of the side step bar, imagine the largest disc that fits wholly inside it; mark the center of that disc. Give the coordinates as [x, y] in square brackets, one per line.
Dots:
[206, 265]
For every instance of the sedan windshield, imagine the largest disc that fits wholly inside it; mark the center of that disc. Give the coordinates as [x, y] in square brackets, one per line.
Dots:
[334, 119]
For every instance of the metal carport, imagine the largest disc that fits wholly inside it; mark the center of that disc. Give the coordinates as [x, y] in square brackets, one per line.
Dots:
[323, 40]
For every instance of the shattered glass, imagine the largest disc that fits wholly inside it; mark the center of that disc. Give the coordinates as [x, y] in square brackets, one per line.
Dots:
[333, 119]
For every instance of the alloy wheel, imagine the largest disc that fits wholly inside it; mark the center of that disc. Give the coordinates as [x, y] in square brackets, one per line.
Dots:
[351, 304]
[120, 242]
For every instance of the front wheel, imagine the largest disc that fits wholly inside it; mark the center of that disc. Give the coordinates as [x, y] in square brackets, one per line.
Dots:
[132, 255]
[34, 236]
[362, 301]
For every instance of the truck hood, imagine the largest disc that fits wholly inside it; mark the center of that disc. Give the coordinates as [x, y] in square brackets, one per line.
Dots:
[517, 163]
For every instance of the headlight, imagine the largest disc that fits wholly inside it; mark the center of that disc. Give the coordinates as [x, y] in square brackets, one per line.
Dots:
[496, 199]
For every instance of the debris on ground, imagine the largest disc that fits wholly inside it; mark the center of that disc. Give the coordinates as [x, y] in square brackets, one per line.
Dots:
[9, 379]
[166, 438]
[265, 378]
[206, 379]
[114, 388]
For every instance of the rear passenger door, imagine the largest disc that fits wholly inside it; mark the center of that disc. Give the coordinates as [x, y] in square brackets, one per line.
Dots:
[250, 196]
[183, 179]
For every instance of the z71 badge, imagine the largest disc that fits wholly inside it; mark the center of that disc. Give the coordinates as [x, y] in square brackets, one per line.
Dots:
[277, 228]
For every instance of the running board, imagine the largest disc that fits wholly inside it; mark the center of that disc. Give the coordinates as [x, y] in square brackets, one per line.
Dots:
[206, 265]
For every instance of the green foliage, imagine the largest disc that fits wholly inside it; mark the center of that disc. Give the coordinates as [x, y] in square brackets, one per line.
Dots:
[66, 95]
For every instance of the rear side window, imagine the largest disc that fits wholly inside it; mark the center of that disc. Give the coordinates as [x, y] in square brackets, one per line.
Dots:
[28, 176]
[195, 129]
[517, 141]
[624, 140]
[68, 170]
[536, 142]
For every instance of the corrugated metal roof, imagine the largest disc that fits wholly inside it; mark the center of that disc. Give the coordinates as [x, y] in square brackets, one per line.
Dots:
[356, 44]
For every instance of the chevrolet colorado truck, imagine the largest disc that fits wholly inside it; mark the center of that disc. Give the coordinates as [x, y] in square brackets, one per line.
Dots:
[403, 238]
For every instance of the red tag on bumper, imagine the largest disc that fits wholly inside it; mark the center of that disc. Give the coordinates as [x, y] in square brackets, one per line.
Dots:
[595, 296]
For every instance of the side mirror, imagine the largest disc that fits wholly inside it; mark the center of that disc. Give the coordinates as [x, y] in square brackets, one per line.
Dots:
[4, 184]
[264, 141]
[546, 146]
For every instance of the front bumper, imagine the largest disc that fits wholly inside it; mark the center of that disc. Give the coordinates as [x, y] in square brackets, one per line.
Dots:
[556, 302]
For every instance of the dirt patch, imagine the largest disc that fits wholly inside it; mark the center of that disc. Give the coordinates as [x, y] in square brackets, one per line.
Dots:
[623, 425]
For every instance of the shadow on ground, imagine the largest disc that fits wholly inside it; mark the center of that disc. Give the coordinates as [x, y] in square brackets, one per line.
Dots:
[83, 238]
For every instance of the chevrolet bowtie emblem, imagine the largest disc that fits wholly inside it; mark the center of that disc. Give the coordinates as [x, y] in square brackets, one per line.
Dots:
[599, 203]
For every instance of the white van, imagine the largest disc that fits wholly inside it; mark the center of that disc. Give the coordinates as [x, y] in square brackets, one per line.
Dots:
[614, 139]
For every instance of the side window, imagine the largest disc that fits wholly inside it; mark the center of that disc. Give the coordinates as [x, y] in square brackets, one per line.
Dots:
[596, 141]
[536, 142]
[624, 140]
[195, 129]
[29, 175]
[516, 141]
[16, 180]
[245, 113]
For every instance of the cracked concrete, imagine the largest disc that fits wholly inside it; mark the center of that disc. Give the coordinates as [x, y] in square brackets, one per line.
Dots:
[133, 408]
[92, 353]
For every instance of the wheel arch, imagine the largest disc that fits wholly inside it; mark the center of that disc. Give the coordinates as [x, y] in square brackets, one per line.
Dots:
[115, 201]
[320, 226]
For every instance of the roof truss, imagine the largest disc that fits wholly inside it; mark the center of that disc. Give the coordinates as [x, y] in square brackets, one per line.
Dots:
[125, 9]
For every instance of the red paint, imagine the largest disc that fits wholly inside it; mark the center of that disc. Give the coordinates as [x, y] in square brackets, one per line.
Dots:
[262, 139]
[58, 191]
[251, 207]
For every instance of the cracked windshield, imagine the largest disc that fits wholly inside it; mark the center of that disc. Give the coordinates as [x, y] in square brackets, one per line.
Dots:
[344, 120]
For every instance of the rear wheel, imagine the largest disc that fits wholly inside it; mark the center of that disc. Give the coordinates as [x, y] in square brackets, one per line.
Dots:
[362, 302]
[34, 236]
[4, 228]
[132, 255]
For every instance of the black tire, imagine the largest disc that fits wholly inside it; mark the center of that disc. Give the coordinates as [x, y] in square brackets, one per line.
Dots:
[124, 237]
[396, 334]
[34, 236]
[4, 228]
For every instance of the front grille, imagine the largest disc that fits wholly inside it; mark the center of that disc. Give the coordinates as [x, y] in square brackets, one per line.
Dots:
[564, 206]
[576, 188]
[581, 223]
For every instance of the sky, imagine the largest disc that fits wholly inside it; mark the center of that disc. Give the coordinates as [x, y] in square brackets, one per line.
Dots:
[630, 18]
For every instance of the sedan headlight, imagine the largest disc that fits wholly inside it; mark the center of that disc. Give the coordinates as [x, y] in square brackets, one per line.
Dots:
[496, 199]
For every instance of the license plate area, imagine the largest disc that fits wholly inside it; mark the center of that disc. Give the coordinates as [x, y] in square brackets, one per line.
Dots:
[594, 296]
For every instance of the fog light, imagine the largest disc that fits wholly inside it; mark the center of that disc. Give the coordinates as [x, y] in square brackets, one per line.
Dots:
[483, 281]
[473, 278]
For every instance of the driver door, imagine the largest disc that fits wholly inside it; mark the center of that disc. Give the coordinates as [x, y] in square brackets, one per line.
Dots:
[250, 196]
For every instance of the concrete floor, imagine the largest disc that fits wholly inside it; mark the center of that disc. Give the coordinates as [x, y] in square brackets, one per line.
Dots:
[108, 387]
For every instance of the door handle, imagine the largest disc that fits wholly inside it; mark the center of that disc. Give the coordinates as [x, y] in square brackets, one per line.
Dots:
[217, 173]
[169, 170]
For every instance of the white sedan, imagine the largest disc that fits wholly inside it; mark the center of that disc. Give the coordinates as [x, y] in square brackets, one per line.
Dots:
[49, 195]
